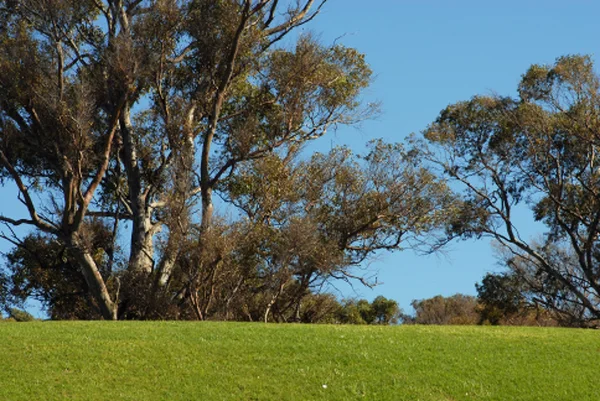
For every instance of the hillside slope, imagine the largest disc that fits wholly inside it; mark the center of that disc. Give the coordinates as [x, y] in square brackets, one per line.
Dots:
[244, 361]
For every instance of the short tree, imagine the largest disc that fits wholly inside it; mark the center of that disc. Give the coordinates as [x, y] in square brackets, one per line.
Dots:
[457, 309]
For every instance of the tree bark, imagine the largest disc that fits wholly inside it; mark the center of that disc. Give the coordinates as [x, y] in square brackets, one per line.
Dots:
[142, 247]
[272, 301]
[93, 278]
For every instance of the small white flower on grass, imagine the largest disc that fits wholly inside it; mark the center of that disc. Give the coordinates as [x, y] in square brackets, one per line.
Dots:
[324, 385]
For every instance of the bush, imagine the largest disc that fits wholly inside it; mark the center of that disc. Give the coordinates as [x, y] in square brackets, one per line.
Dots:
[20, 315]
[458, 309]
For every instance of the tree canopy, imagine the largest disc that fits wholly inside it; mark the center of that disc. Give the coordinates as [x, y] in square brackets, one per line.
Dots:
[536, 151]
[158, 148]
[120, 121]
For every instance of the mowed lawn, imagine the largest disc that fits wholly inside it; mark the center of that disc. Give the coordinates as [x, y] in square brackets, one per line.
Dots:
[246, 361]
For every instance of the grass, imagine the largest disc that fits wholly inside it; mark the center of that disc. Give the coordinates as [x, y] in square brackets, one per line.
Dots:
[242, 361]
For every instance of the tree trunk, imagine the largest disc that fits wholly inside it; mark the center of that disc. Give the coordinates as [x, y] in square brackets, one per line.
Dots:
[273, 300]
[230, 298]
[93, 278]
[142, 247]
[207, 208]
[166, 268]
[180, 219]
[297, 317]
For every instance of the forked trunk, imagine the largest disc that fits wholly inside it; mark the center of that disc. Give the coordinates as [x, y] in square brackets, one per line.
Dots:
[93, 278]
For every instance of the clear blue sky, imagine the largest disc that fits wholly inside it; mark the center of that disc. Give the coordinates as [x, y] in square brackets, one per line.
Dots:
[426, 55]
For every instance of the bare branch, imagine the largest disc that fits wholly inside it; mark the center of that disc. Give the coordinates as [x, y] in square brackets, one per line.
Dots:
[86, 199]
[35, 218]
[295, 20]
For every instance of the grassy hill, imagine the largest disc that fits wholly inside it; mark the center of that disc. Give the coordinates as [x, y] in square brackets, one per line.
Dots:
[242, 361]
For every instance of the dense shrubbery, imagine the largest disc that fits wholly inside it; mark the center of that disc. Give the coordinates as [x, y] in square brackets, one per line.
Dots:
[493, 306]
[455, 310]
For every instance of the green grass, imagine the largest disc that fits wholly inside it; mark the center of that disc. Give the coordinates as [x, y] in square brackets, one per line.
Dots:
[240, 361]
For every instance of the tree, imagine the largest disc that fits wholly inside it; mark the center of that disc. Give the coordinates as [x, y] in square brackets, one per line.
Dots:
[112, 99]
[386, 310]
[134, 114]
[458, 309]
[507, 299]
[319, 308]
[42, 268]
[381, 311]
[501, 296]
[318, 219]
[539, 151]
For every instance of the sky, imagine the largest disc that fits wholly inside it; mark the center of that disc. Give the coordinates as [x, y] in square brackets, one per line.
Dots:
[426, 55]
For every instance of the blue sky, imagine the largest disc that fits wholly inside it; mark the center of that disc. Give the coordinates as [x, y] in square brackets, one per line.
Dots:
[426, 55]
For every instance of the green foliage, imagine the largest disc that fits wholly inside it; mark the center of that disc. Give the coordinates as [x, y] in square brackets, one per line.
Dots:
[538, 150]
[319, 308]
[42, 268]
[4, 290]
[386, 310]
[381, 311]
[501, 296]
[311, 221]
[233, 361]
[356, 312]
[141, 112]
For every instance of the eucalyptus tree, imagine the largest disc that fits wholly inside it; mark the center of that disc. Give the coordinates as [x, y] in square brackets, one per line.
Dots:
[129, 110]
[536, 151]
[121, 115]
[308, 222]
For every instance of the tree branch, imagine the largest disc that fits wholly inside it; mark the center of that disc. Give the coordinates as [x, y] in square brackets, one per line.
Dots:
[35, 218]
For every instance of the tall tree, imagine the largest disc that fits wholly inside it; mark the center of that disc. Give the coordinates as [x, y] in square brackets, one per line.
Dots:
[538, 150]
[106, 102]
[135, 113]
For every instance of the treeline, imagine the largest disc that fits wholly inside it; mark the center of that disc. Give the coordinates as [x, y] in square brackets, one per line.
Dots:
[502, 299]
[158, 149]
[462, 309]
